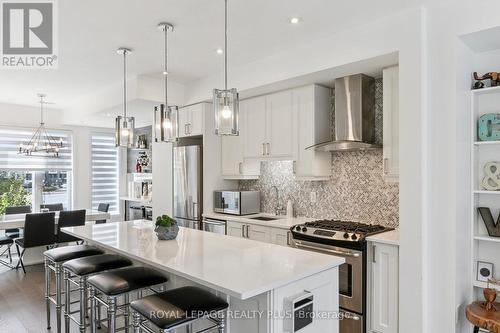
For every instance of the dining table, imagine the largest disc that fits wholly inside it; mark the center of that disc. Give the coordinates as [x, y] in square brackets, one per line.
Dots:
[17, 220]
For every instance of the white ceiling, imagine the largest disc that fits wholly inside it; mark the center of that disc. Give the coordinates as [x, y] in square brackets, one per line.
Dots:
[91, 30]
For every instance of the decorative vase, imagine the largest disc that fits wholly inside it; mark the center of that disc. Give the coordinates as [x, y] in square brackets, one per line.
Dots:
[490, 295]
[167, 233]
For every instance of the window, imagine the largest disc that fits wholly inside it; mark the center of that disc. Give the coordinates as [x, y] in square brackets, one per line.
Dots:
[44, 179]
[105, 171]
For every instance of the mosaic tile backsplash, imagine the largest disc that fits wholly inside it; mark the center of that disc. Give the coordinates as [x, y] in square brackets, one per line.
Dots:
[355, 192]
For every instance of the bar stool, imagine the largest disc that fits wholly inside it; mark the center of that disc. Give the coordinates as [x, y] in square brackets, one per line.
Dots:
[178, 308]
[120, 283]
[54, 260]
[77, 271]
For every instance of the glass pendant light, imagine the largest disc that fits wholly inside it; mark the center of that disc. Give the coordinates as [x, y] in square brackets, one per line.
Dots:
[166, 117]
[124, 125]
[226, 101]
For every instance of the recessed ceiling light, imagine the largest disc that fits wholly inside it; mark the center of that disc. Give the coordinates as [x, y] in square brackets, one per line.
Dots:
[219, 51]
[295, 20]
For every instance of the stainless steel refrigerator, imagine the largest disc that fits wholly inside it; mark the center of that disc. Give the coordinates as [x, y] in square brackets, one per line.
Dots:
[188, 185]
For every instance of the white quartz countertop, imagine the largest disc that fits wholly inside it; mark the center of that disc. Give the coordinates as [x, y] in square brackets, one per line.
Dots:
[238, 267]
[389, 237]
[281, 222]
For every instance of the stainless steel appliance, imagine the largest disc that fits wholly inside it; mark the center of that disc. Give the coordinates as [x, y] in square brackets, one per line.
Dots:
[237, 202]
[215, 225]
[354, 115]
[136, 212]
[347, 240]
[188, 185]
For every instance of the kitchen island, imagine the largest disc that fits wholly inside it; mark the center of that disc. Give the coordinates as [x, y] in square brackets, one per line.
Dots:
[260, 281]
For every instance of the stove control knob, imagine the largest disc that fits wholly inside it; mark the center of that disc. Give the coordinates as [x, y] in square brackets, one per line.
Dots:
[354, 237]
[346, 235]
[297, 228]
[304, 229]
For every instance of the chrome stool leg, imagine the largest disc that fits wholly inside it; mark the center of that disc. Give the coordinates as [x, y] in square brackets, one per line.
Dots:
[67, 301]
[126, 312]
[111, 314]
[93, 310]
[136, 322]
[83, 303]
[47, 291]
[58, 296]
[222, 322]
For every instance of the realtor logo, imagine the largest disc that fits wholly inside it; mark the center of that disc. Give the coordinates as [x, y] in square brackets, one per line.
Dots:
[28, 31]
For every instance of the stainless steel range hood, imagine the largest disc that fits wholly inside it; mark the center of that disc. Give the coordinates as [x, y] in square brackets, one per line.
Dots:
[354, 115]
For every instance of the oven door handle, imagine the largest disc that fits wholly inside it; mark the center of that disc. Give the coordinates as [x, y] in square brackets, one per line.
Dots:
[339, 252]
[350, 315]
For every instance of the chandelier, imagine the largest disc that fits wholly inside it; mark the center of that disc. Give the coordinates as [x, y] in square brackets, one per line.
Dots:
[41, 142]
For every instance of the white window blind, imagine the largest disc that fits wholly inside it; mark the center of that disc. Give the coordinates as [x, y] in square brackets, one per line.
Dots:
[105, 171]
[10, 159]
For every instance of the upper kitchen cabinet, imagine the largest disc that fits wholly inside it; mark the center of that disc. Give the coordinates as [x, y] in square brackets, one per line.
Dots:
[268, 123]
[191, 120]
[311, 107]
[234, 165]
[391, 123]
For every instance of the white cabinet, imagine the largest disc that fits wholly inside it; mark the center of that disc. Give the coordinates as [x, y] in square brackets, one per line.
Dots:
[191, 120]
[312, 109]
[280, 236]
[253, 116]
[279, 124]
[258, 233]
[268, 123]
[235, 229]
[391, 123]
[234, 166]
[384, 288]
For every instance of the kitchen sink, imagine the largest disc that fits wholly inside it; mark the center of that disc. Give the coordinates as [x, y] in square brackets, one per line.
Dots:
[264, 218]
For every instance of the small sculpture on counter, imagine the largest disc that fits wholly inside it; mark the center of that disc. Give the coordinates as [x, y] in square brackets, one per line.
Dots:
[166, 228]
[492, 226]
[478, 85]
[142, 142]
[494, 78]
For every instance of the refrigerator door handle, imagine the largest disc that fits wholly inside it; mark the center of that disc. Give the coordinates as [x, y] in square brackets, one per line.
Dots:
[195, 213]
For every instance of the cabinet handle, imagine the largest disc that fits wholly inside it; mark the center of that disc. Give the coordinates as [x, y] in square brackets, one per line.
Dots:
[185, 129]
[263, 149]
[248, 234]
[294, 167]
[190, 128]
[288, 241]
[374, 259]
[386, 160]
[240, 165]
[268, 149]
[243, 231]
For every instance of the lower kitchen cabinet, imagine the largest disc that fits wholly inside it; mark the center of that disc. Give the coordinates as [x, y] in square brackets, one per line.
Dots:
[259, 233]
[235, 229]
[280, 236]
[383, 287]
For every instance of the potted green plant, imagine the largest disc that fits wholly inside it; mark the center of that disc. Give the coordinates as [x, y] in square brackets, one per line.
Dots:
[166, 228]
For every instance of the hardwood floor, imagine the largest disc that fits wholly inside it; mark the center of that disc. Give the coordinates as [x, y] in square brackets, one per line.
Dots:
[22, 302]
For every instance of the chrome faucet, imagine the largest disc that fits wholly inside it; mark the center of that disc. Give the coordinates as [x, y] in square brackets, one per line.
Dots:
[278, 208]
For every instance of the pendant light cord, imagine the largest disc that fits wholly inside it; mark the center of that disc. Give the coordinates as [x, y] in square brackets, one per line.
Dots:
[125, 83]
[225, 45]
[166, 68]
[41, 110]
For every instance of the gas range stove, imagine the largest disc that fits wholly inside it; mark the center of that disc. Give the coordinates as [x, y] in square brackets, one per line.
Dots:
[337, 233]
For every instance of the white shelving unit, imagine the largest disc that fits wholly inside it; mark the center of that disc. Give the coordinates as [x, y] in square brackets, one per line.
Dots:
[484, 247]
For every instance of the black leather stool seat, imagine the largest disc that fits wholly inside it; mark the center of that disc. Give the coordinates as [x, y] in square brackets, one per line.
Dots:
[178, 306]
[71, 252]
[94, 264]
[13, 234]
[125, 280]
[5, 240]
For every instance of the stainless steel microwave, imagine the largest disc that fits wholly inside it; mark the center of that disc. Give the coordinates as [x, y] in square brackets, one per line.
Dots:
[237, 202]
